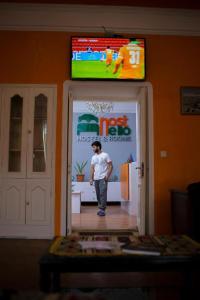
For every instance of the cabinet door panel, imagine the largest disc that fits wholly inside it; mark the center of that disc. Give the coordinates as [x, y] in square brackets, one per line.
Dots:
[38, 202]
[12, 202]
[40, 133]
[14, 132]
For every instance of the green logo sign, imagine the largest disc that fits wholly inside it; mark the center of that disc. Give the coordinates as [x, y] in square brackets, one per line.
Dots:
[103, 126]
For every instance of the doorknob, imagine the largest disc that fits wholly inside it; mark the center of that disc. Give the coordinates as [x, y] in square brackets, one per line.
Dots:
[141, 168]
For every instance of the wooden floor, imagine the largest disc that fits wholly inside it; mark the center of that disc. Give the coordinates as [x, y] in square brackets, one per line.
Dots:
[19, 269]
[115, 219]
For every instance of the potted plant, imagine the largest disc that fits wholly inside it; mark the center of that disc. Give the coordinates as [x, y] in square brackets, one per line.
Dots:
[79, 167]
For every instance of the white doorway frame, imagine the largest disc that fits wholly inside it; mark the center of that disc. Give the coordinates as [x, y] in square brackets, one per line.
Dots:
[66, 138]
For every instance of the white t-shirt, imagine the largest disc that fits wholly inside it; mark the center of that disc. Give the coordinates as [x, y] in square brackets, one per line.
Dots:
[100, 162]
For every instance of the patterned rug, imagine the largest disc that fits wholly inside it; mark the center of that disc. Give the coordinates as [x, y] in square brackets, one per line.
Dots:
[112, 244]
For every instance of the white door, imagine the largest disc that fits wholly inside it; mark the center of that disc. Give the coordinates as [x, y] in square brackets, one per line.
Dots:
[68, 192]
[12, 201]
[40, 128]
[139, 174]
[14, 132]
[38, 204]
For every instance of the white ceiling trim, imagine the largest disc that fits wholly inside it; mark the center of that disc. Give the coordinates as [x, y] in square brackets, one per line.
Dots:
[86, 18]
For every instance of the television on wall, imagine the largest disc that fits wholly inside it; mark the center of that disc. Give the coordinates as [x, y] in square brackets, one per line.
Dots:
[103, 58]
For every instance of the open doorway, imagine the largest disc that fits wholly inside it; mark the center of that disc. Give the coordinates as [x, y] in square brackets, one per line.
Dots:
[95, 111]
[114, 125]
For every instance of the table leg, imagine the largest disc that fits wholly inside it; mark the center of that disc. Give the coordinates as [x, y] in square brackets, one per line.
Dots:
[191, 285]
[55, 282]
[45, 280]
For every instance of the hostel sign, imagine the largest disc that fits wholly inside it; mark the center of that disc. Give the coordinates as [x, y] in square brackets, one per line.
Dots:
[88, 123]
[115, 130]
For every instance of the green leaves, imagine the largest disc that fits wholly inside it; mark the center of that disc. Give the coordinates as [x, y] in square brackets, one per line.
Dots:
[79, 167]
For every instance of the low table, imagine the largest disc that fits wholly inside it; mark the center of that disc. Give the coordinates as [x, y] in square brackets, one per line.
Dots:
[51, 266]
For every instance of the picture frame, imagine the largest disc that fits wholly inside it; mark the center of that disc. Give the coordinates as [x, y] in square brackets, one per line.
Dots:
[190, 100]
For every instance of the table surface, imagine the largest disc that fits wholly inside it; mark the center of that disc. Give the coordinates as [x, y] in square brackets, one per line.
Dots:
[100, 261]
[52, 265]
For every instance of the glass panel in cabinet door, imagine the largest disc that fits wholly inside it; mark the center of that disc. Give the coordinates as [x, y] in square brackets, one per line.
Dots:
[15, 134]
[40, 134]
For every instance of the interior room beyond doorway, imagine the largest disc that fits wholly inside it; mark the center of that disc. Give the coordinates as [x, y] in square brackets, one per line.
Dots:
[104, 121]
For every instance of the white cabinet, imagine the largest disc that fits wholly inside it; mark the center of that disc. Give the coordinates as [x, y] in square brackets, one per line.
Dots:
[38, 204]
[26, 136]
[12, 202]
[39, 141]
[27, 132]
[114, 191]
[88, 193]
[76, 202]
[14, 131]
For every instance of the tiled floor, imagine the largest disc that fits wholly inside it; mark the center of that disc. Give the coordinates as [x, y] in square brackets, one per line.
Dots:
[115, 218]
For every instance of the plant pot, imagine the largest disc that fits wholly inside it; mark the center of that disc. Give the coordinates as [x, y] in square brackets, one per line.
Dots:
[80, 178]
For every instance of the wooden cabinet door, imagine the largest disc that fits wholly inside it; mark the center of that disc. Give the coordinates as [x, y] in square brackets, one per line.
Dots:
[40, 128]
[14, 132]
[38, 202]
[12, 201]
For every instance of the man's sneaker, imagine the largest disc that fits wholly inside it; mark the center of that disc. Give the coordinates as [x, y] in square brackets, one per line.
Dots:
[101, 213]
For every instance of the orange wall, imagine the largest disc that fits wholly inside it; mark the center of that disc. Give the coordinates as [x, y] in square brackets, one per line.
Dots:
[43, 57]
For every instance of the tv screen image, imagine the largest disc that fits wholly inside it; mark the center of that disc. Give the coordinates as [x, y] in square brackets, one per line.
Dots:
[108, 58]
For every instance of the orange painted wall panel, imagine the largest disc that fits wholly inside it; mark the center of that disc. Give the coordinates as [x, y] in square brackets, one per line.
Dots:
[172, 62]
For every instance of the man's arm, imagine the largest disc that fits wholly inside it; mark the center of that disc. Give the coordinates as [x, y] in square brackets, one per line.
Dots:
[110, 168]
[91, 174]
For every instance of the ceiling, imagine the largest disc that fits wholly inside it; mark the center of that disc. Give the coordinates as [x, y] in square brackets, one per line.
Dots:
[181, 4]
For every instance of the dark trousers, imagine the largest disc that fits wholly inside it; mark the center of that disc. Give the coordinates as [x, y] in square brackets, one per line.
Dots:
[101, 187]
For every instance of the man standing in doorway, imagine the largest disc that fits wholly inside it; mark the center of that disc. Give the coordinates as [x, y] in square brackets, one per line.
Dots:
[100, 171]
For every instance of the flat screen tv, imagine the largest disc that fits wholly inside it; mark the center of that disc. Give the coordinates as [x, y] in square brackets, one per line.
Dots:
[99, 58]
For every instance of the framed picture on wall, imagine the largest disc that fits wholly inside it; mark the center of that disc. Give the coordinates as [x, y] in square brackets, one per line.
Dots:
[190, 100]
